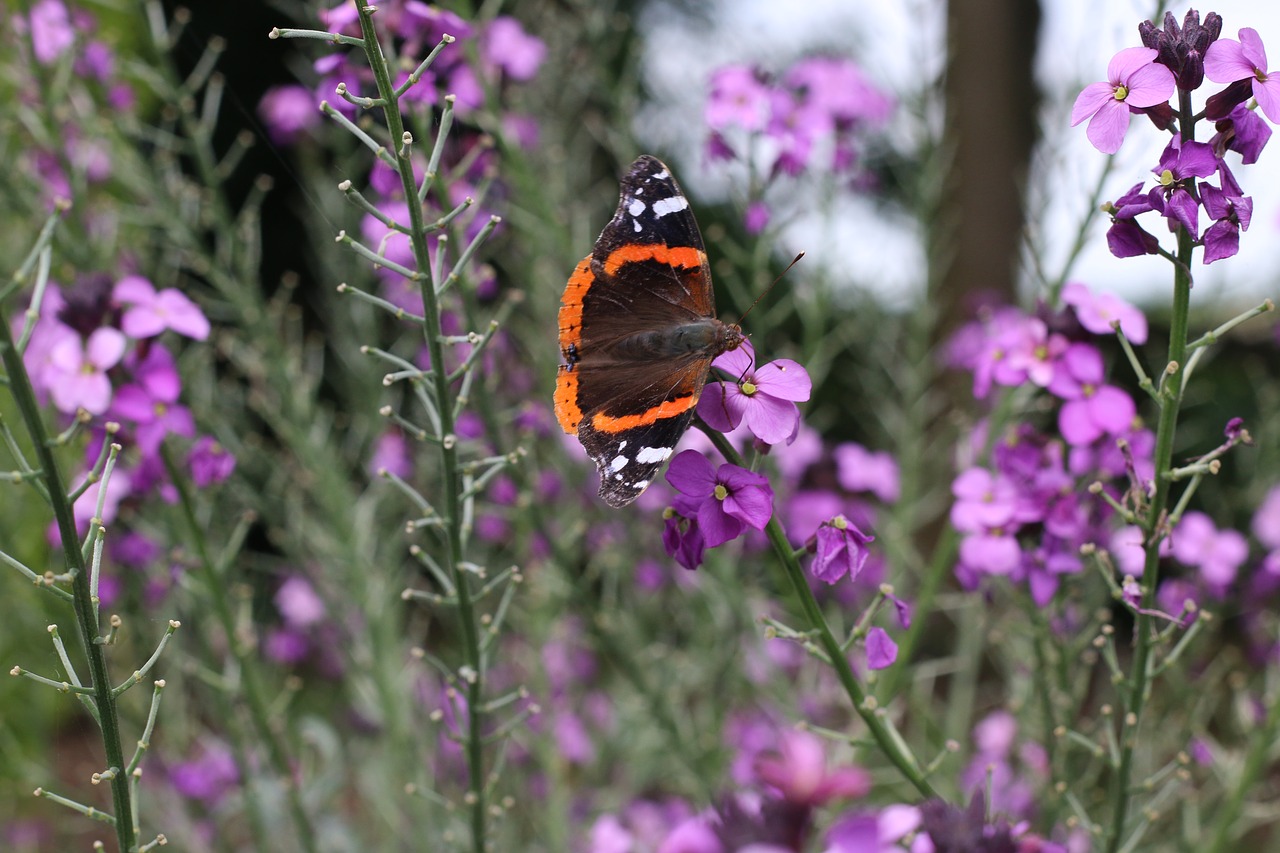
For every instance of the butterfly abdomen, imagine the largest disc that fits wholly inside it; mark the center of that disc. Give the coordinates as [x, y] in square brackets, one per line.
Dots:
[705, 338]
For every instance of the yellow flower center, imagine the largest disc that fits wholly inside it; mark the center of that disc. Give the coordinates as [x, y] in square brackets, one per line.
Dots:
[748, 387]
[1166, 178]
[1122, 92]
[721, 492]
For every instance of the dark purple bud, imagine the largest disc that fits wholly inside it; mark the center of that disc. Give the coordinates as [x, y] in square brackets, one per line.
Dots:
[1219, 106]
[1161, 115]
[1181, 49]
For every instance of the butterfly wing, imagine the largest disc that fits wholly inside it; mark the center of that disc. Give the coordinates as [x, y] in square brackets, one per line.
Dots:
[630, 402]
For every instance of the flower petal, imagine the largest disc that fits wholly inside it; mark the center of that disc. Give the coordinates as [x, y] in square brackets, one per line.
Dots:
[1150, 85]
[1128, 62]
[784, 379]
[1252, 48]
[1090, 100]
[691, 473]
[1108, 126]
[1224, 62]
[772, 421]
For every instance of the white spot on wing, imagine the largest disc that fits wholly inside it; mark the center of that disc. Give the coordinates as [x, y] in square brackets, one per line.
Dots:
[619, 462]
[636, 207]
[670, 205]
[649, 455]
[640, 485]
[663, 175]
[636, 223]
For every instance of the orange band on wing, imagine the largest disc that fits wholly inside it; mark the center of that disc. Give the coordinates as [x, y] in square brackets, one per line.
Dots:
[684, 257]
[567, 411]
[668, 409]
[571, 304]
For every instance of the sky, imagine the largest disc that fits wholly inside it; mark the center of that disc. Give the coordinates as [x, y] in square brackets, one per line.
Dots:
[899, 45]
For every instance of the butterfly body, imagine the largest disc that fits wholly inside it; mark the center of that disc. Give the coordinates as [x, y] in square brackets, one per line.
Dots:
[638, 332]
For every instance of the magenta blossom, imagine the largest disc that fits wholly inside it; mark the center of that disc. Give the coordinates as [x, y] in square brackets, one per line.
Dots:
[882, 651]
[1217, 553]
[288, 112]
[76, 371]
[1092, 409]
[1133, 80]
[149, 313]
[507, 47]
[209, 462]
[841, 550]
[151, 401]
[799, 771]
[1179, 163]
[739, 98]
[1097, 311]
[862, 470]
[1228, 60]
[764, 398]
[725, 501]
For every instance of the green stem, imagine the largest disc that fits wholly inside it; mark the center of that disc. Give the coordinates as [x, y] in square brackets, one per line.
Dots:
[85, 607]
[1153, 524]
[452, 510]
[217, 589]
[892, 746]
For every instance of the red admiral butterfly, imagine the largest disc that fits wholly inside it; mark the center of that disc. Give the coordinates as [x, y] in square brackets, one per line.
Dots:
[638, 331]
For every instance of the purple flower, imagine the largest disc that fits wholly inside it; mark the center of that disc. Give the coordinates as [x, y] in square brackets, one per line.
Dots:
[286, 646]
[683, 540]
[1092, 409]
[756, 218]
[799, 771]
[1126, 238]
[861, 470]
[1133, 80]
[209, 462]
[391, 453]
[873, 833]
[840, 88]
[882, 651]
[51, 31]
[288, 112]
[149, 313]
[728, 499]
[1096, 312]
[983, 501]
[1232, 213]
[739, 98]
[507, 47]
[207, 778]
[76, 375]
[764, 398]
[1241, 131]
[841, 550]
[298, 603]
[151, 400]
[1266, 520]
[1180, 162]
[1228, 60]
[1217, 553]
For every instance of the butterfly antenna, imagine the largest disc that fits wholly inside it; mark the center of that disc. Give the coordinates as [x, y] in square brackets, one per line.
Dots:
[794, 261]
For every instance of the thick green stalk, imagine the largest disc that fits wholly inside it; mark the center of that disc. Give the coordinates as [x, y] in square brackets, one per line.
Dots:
[452, 511]
[1153, 526]
[85, 608]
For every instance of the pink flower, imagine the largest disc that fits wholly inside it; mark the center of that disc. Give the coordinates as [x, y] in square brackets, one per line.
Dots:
[150, 313]
[1228, 60]
[882, 651]
[799, 771]
[1093, 409]
[288, 112]
[76, 374]
[862, 470]
[1097, 311]
[764, 399]
[506, 46]
[738, 99]
[1133, 80]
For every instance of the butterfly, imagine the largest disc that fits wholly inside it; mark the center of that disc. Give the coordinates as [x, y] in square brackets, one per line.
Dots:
[638, 332]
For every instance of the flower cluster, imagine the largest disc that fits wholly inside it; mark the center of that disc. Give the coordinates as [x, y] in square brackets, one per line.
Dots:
[95, 353]
[1141, 80]
[57, 34]
[506, 53]
[1025, 515]
[814, 116]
